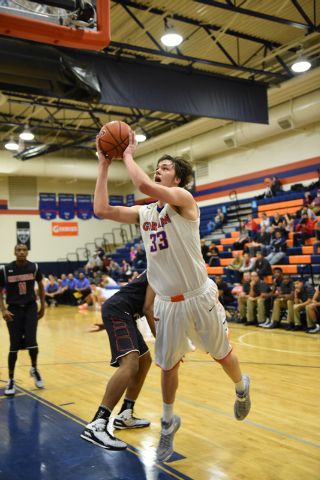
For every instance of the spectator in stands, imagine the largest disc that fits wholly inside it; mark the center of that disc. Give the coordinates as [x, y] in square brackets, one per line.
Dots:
[303, 296]
[83, 287]
[251, 227]
[100, 252]
[309, 212]
[284, 300]
[133, 253]
[216, 222]
[303, 230]
[288, 223]
[278, 248]
[45, 280]
[114, 270]
[52, 291]
[134, 275]
[308, 199]
[265, 222]
[72, 283]
[255, 300]
[315, 205]
[262, 266]
[225, 295]
[64, 287]
[204, 250]
[91, 261]
[276, 186]
[316, 243]
[276, 220]
[243, 297]
[248, 263]
[96, 278]
[213, 254]
[139, 260]
[312, 309]
[260, 242]
[126, 271]
[107, 281]
[268, 193]
[243, 237]
[233, 269]
[277, 284]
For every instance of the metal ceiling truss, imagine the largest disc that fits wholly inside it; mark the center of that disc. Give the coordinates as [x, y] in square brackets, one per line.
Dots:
[208, 28]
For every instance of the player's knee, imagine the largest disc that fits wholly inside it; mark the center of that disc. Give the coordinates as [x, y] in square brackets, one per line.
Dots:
[130, 362]
[145, 361]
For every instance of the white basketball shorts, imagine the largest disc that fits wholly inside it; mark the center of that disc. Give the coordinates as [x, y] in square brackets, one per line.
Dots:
[197, 315]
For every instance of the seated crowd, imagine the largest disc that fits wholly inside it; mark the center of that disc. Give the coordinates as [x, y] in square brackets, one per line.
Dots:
[259, 304]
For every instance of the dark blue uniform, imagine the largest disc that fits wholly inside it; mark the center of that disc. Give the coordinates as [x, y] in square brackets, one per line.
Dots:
[118, 315]
[21, 300]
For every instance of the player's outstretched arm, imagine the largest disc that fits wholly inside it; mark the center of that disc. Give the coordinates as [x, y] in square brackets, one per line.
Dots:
[176, 196]
[101, 199]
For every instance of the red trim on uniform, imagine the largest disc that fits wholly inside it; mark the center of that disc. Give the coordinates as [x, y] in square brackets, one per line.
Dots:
[170, 368]
[177, 298]
[223, 357]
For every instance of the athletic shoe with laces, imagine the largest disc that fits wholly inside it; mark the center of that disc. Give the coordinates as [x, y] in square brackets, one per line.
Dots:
[264, 324]
[166, 444]
[10, 388]
[242, 404]
[315, 329]
[38, 381]
[127, 420]
[97, 433]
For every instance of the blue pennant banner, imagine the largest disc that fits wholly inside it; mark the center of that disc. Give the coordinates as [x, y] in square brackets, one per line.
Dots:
[115, 200]
[130, 200]
[84, 209]
[48, 206]
[66, 206]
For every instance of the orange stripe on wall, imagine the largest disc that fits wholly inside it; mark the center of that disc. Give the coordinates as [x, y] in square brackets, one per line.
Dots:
[268, 172]
[19, 212]
[3, 202]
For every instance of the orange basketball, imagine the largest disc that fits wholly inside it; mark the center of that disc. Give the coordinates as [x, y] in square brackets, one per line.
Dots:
[114, 138]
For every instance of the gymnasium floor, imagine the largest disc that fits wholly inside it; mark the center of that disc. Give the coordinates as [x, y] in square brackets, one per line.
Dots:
[39, 434]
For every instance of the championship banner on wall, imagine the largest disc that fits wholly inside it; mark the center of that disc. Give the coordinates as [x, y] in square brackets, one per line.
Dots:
[66, 206]
[48, 206]
[62, 229]
[84, 209]
[23, 234]
[115, 200]
[130, 200]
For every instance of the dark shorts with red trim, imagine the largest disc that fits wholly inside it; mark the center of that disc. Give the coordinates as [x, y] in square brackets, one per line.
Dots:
[23, 328]
[124, 336]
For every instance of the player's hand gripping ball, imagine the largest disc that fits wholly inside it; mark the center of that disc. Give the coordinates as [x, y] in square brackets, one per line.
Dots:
[114, 138]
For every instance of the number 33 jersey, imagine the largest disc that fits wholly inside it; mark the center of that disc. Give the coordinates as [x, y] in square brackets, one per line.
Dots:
[19, 282]
[172, 246]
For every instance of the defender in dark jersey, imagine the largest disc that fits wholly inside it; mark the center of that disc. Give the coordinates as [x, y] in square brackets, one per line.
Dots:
[22, 313]
[131, 354]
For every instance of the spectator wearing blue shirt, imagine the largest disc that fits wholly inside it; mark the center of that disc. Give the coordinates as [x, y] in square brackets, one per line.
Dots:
[64, 286]
[278, 248]
[52, 291]
[72, 283]
[83, 287]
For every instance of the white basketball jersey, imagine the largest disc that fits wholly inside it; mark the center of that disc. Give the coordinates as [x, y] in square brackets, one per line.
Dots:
[172, 245]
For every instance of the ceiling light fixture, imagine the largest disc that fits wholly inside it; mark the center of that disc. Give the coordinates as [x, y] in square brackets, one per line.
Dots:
[171, 38]
[26, 134]
[301, 64]
[12, 145]
[140, 136]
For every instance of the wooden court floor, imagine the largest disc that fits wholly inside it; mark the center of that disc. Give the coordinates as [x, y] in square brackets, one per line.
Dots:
[279, 440]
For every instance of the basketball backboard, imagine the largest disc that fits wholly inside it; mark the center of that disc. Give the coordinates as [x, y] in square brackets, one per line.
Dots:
[31, 21]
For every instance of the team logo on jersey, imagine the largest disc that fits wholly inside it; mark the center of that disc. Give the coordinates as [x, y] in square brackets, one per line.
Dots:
[154, 225]
[23, 234]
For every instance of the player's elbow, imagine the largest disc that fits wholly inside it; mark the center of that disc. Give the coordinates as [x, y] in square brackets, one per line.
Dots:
[102, 212]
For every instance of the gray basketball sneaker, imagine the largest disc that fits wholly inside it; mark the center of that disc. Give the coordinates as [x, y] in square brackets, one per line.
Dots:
[10, 388]
[166, 444]
[242, 404]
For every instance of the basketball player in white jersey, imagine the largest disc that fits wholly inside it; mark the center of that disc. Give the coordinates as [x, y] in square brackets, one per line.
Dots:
[186, 302]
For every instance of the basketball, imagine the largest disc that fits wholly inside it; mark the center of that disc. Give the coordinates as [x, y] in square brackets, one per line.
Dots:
[114, 138]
